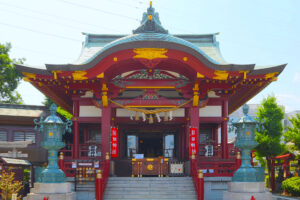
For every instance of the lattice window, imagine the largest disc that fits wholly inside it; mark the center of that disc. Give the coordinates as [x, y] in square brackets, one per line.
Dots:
[3, 136]
[24, 136]
[18, 136]
[30, 136]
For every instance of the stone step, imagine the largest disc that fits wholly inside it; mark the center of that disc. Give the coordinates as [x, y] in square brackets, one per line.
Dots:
[150, 182]
[150, 196]
[150, 188]
[190, 192]
[181, 189]
[149, 178]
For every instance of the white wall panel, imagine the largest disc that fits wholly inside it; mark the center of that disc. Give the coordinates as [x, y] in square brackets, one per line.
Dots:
[211, 111]
[212, 94]
[89, 111]
[127, 113]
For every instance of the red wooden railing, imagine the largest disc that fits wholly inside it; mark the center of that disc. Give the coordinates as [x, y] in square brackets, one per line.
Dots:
[217, 168]
[217, 151]
[198, 178]
[102, 178]
[83, 151]
[68, 157]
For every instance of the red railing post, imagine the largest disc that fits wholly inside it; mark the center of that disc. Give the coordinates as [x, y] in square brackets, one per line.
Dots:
[99, 185]
[193, 160]
[200, 185]
[272, 178]
[238, 160]
[61, 161]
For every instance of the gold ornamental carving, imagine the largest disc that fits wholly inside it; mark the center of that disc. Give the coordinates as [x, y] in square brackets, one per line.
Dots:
[220, 75]
[79, 75]
[150, 167]
[199, 75]
[248, 133]
[150, 53]
[28, 76]
[271, 75]
[244, 74]
[100, 75]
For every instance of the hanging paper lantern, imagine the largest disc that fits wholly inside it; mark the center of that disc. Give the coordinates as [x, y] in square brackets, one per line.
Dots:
[166, 117]
[136, 116]
[150, 119]
[158, 117]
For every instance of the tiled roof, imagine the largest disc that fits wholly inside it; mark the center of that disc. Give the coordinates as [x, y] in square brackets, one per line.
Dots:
[21, 110]
[204, 44]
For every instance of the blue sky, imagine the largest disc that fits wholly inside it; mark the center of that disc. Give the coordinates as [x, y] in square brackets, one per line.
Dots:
[262, 32]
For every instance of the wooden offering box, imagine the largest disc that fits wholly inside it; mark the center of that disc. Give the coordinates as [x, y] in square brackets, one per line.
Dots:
[150, 166]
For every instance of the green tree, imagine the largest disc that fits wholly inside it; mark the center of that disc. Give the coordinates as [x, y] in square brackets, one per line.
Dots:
[269, 144]
[60, 110]
[9, 76]
[293, 133]
[8, 185]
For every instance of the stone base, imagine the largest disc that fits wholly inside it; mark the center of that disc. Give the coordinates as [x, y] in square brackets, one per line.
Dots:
[246, 187]
[245, 190]
[57, 191]
[66, 196]
[247, 196]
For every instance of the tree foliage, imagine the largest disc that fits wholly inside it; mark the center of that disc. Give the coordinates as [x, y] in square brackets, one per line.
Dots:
[8, 185]
[60, 110]
[269, 138]
[293, 133]
[292, 186]
[9, 76]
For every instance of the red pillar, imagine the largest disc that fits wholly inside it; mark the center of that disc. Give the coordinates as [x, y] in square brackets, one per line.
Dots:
[272, 175]
[200, 185]
[75, 129]
[187, 134]
[182, 137]
[99, 186]
[224, 133]
[105, 130]
[61, 162]
[216, 135]
[286, 169]
[194, 120]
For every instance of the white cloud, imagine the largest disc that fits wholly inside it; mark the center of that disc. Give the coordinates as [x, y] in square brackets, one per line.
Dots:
[296, 77]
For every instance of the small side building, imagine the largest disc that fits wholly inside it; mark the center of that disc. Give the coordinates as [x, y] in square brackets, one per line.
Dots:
[16, 124]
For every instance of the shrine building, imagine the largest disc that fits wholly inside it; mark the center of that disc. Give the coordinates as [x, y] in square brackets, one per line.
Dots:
[144, 95]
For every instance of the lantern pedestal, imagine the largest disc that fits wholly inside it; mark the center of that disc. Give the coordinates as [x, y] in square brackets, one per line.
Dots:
[247, 181]
[57, 191]
[245, 191]
[53, 184]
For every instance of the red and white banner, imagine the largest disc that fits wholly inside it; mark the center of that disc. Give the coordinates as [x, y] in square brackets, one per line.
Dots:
[114, 148]
[193, 141]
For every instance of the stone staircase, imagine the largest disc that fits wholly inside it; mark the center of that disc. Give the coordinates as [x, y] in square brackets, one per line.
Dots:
[85, 191]
[150, 188]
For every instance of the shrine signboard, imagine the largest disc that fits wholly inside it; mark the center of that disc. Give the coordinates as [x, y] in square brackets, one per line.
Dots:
[114, 143]
[193, 141]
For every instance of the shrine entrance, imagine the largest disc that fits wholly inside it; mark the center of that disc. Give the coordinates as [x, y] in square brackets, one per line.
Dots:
[148, 143]
[151, 147]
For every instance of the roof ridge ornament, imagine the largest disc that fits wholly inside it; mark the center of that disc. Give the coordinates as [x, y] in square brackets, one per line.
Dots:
[150, 22]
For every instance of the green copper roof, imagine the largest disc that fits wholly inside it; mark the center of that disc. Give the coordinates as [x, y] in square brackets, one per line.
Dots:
[151, 34]
[207, 47]
[150, 30]
[150, 23]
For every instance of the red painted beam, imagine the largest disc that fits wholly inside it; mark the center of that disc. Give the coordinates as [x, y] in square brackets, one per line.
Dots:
[75, 130]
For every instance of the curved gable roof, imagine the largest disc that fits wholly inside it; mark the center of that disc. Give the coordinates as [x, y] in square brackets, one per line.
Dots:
[90, 56]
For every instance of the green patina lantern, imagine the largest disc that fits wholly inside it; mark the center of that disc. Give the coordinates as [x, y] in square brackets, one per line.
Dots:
[52, 129]
[245, 130]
